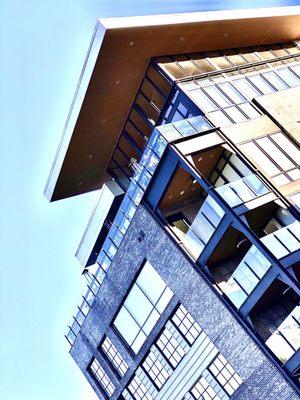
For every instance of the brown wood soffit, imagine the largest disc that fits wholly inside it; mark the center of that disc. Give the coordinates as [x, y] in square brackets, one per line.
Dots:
[121, 63]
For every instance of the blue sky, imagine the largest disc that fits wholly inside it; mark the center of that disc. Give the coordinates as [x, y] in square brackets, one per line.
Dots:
[43, 45]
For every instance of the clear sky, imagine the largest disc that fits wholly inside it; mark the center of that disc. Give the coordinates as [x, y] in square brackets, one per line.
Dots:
[42, 47]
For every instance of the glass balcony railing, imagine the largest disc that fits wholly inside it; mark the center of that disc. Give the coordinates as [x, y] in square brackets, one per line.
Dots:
[254, 265]
[184, 128]
[285, 340]
[203, 227]
[210, 213]
[153, 152]
[242, 190]
[84, 307]
[246, 276]
[284, 241]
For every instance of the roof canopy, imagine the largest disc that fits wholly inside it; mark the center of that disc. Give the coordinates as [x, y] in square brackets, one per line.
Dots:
[117, 59]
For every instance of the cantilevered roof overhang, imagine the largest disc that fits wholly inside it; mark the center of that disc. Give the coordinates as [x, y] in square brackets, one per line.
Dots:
[117, 59]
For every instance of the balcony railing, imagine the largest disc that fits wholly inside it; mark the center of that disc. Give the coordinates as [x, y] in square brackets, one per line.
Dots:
[242, 190]
[203, 227]
[144, 171]
[284, 241]
[246, 276]
[254, 265]
[210, 213]
[285, 341]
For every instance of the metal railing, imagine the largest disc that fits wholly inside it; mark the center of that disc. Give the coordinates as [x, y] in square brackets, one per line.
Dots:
[285, 341]
[284, 241]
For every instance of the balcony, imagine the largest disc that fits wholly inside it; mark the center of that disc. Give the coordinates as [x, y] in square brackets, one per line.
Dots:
[285, 340]
[196, 235]
[246, 276]
[238, 278]
[276, 319]
[189, 211]
[242, 190]
[283, 241]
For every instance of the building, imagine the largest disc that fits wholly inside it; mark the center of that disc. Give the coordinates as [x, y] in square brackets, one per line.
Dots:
[190, 124]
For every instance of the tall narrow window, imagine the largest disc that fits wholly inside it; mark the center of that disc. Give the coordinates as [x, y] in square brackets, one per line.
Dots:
[172, 345]
[117, 361]
[142, 308]
[98, 373]
[186, 324]
[157, 367]
[140, 387]
[225, 374]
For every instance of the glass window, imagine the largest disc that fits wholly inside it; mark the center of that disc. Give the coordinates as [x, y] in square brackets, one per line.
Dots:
[234, 95]
[176, 117]
[157, 367]
[275, 153]
[200, 123]
[230, 174]
[217, 382]
[119, 364]
[125, 320]
[249, 110]
[217, 96]
[150, 282]
[294, 174]
[275, 80]
[142, 308]
[288, 77]
[186, 324]
[219, 118]
[185, 128]
[245, 88]
[235, 114]
[204, 103]
[239, 165]
[140, 387]
[101, 377]
[225, 374]
[243, 280]
[202, 390]
[287, 145]
[261, 84]
[280, 180]
[260, 158]
[138, 305]
[172, 345]
[296, 69]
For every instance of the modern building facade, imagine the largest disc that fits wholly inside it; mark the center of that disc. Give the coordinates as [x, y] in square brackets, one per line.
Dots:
[190, 125]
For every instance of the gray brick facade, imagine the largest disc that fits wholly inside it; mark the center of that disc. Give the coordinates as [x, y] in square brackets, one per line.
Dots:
[261, 379]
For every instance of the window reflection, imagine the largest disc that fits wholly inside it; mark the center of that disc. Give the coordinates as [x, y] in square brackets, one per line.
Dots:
[142, 308]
